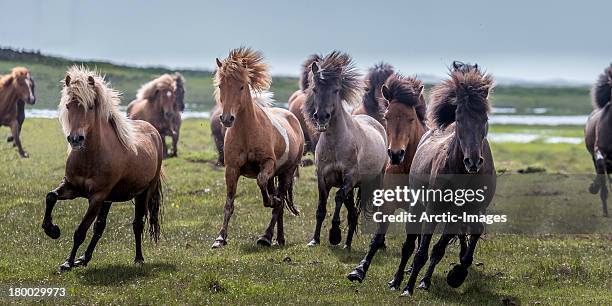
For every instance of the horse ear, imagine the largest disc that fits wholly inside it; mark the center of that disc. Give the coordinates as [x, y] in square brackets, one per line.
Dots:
[67, 80]
[386, 93]
[91, 81]
[219, 64]
[421, 88]
[314, 67]
[456, 64]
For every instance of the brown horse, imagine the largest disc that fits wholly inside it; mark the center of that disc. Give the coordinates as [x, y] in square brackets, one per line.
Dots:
[16, 89]
[453, 155]
[111, 159]
[296, 102]
[261, 142]
[405, 118]
[179, 83]
[373, 103]
[598, 136]
[156, 103]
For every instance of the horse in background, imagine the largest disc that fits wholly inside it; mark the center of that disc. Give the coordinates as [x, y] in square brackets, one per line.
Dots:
[351, 148]
[373, 103]
[453, 155]
[405, 117]
[16, 89]
[103, 144]
[156, 103]
[296, 103]
[598, 136]
[179, 84]
[217, 131]
[261, 142]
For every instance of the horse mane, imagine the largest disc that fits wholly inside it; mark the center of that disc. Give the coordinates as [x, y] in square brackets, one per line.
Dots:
[304, 78]
[264, 98]
[147, 91]
[245, 64]
[102, 97]
[407, 91]
[374, 80]
[179, 83]
[468, 86]
[15, 72]
[602, 89]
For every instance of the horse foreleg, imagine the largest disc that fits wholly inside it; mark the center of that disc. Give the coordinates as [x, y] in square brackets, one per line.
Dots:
[420, 258]
[456, 276]
[175, 139]
[95, 203]
[266, 238]
[15, 128]
[378, 240]
[335, 234]
[437, 253]
[140, 212]
[63, 192]
[407, 249]
[266, 171]
[321, 210]
[98, 230]
[164, 146]
[231, 182]
[352, 218]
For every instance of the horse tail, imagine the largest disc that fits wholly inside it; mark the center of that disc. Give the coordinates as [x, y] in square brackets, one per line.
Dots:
[154, 207]
[287, 196]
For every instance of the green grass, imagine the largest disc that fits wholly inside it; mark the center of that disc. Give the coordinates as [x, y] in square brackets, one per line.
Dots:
[181, 269]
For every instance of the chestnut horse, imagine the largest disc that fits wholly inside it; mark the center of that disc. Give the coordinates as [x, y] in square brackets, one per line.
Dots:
[405, 118]
[454, 155]
[156, 103]
[597, 136]
[16, 89]
[351, 148]
[111, 159]
[296, 102]
[261, 142]
[373, 103]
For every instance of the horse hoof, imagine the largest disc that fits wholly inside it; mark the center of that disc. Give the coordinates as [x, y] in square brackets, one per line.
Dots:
[280, 242]
[356, 275]
[406, 293]
[9, 139]
[394, 284]
[52, 231]
[456, 276]
[313, 243]
[347, 247]
[66, 266]
[424, 285]
[335, 235]
[218, 244]
[24, 154]
[139, 261]
[264, 241]
[81, 261]
[408, 270]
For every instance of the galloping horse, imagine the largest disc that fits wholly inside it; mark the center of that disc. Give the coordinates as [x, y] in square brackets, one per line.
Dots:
[351, 148]
[405, 118]
[16, 89]
[597, 136]
[455, 150]
[111, 159]
[296, 102]
[261, 142]
[373, 103]
[156, 103]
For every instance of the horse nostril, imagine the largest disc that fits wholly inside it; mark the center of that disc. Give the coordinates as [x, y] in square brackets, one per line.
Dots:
[389, 152]
[327, 116]
[80, 138]
[221, 117]
[467, 162]
[315, 116]
[231, 118]
[402, 152]
[480, 162]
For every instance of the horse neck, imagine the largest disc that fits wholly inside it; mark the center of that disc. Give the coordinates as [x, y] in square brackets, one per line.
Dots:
[455, 154]
[246, 118]
[340, 124]
[8, 99]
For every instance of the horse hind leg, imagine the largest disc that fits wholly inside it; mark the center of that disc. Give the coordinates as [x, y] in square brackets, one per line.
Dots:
[352, 218]
[266, 238]
[98, 230]
[456, 276]
[140, 211]
[437, 253]
[603, 195]
[335, 233]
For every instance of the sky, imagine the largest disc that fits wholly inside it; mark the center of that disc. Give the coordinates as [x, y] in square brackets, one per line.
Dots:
[537, 40]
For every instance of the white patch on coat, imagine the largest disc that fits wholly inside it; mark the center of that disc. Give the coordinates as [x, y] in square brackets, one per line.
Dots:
[283, 159]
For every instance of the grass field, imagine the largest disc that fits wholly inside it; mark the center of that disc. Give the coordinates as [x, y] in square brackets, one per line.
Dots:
[182, 269]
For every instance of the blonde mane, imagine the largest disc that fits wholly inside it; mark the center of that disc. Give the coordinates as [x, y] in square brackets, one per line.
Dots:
[245, 64]
[164, 82]
[102, 97]
[15, 72]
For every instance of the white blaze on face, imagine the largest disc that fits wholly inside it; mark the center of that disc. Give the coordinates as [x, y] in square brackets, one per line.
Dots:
[29, 84]
[168, 94]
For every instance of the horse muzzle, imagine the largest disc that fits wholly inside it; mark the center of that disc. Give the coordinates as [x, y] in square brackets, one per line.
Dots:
[76, 141]
[396, 157]
[472, 166]
[227, 121]
[31, 100]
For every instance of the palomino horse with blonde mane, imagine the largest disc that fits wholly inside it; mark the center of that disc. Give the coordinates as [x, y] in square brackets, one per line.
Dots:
[261, 142]
[373, 103]
[296, 102]
[156, 103]
[405, 118]
[16, 89]
[351, 148]
[111, 159]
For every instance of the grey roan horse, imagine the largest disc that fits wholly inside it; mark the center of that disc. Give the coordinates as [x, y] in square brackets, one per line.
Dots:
[350, 148]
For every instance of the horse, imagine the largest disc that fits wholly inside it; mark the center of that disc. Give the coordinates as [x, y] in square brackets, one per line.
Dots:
[261, 142]
[156, 103]
[351, 148]
[453, 155]
[217, 131]
[405, 117]
[296, 102]
[110, 159]
[16, 89]
[597, 136]
[179, 83]
[373, 104]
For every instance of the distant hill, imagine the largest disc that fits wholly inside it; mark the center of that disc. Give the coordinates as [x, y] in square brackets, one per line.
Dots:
[48, 71]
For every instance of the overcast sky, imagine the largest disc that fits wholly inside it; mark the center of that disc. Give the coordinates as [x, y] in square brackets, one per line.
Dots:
[523, 39]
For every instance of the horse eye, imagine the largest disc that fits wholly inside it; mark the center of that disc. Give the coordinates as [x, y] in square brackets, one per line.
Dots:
[242, 87]
[91, 108]
[67, 107]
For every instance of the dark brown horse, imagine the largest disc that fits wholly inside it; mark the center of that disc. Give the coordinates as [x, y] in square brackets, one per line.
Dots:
[297, 100]
[111, 159]
[16, 89]
[156, 103]
[598, 136]
[455, 150]
[405, 118]
[261, 142]
[373, 103]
